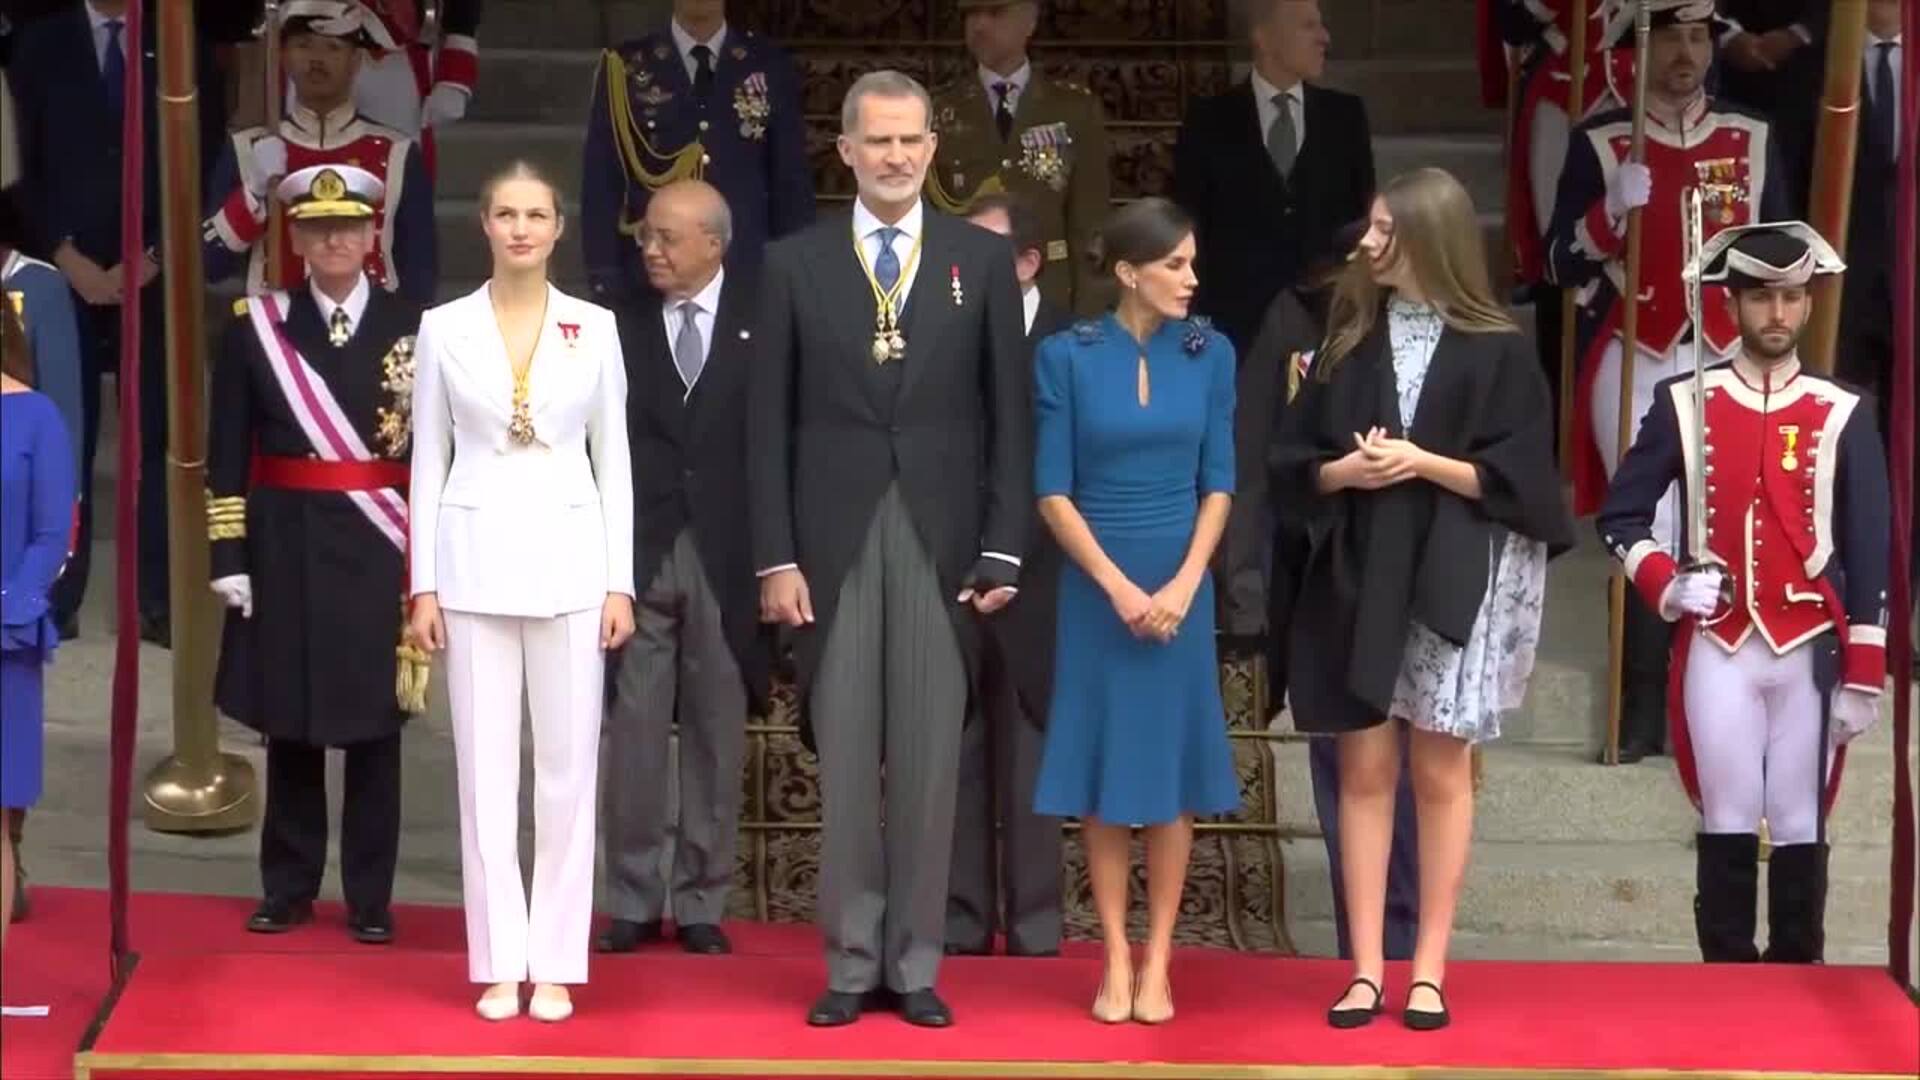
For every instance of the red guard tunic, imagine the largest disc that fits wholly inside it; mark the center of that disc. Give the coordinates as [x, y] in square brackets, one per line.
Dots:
[342, 137]
[1727, 153]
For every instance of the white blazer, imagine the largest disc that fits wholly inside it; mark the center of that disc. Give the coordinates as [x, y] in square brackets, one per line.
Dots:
[504, 529]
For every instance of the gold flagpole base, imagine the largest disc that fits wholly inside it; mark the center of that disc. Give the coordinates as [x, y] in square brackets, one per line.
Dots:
[182, 798]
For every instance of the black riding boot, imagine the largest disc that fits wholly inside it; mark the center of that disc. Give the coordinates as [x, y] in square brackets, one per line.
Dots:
[1725, 905]
[1797, 904]
[1645, 659]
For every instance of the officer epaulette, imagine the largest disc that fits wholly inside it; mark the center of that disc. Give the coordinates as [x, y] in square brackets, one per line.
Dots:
[240, 307]
[1074, 87]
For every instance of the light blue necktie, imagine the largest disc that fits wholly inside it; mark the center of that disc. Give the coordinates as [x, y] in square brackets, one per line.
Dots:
[886, 268]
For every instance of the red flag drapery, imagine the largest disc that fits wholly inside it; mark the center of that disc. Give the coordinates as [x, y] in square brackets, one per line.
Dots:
[1900, 444]
[126, 497]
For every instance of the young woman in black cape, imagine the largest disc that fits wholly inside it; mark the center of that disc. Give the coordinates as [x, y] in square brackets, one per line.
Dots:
[1419, 458]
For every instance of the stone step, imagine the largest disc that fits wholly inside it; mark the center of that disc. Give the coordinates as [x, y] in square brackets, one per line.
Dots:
[542, 24]
[1404, 96]
[1477, 161]
[1602, 892]
[1553, 795]
[1316, 937]
[464, 256]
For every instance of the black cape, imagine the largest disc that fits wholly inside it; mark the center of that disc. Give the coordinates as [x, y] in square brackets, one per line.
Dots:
[1378, 560]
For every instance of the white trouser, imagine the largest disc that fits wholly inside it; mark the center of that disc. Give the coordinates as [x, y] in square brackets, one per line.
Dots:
[387, 92]
[1548, 136]
[1649, 370]
[1754, 720]
[558, 661]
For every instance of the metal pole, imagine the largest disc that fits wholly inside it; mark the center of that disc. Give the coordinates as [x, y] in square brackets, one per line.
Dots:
[198, 788]
[1629, 345]
[275, 108]
[1832, 198]
[1576, 112]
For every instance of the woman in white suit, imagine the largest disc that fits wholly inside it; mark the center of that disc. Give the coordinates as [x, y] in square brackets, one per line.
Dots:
[522, 531]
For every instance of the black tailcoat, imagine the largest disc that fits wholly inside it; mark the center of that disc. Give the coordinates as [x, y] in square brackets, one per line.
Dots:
[315, 663]
[690, 461]
[829, 430]
[1378, 560]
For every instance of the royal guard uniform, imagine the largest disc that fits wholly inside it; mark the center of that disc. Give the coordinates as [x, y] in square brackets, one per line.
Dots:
[1043, 140]
[426, 80]
[1543, 32]
[728, 111]
[307, 518]
[1781, 655]
[1729, 155]
[405, 259]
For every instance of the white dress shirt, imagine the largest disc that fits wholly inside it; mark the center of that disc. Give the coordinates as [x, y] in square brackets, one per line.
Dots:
[1018, 81]
[706, 303]
[1873, 64]
[1030, 304]
[355, 304]
[1263, 92]
[866, 228]
[99, 23]
[685, 43]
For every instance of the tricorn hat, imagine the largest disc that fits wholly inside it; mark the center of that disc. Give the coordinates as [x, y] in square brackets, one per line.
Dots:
[1768, 255]
[1619, 32]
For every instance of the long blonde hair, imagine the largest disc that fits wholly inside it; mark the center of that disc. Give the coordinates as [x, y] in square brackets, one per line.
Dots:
[1436, 230]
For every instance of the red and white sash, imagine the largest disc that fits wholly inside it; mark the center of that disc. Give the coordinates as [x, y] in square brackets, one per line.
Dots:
[329, 431]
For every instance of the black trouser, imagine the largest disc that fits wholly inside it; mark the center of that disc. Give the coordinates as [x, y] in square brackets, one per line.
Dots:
[1547, 328]
[99, 354]
[1402, 927]
[1645, 659]
[293, 837]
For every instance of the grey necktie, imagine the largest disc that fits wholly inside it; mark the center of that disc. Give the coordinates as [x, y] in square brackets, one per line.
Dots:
[689, 351]
[1283, 143]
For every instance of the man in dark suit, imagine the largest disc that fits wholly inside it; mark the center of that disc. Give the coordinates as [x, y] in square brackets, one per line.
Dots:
[890, 467]
[1000, 750]
[695, 657]
[67, 73]
[698, 98]
[1864, 354]
[1270, 169]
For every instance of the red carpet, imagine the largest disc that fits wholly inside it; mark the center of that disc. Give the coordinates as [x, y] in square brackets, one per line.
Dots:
[210, 1000]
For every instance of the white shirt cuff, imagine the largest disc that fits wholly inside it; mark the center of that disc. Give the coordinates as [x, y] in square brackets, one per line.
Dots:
[772, 570]
[1002, 556]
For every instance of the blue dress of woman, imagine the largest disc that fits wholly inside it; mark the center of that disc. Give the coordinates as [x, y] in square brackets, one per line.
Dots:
[36, 523]
[1133, 473]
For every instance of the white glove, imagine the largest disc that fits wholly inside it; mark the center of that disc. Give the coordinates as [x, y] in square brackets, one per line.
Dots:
[1854, 711]
[269, 157]
[1630, 186]
[236, 591]
[1695, 593]
[445, 103]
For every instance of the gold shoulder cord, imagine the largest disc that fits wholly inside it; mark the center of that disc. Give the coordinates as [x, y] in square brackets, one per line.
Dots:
[636, 149]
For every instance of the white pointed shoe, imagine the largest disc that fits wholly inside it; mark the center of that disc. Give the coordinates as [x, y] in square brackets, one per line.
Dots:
[500, 1002]
[551, 1004]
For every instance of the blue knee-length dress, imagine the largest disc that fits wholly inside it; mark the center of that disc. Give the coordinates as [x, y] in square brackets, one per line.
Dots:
[36, 523]
[1136, 733]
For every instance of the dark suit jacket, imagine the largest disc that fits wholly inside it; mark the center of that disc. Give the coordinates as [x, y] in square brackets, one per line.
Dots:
[1024, 630]
[829, 430]
[690, 461]
[1256, 231]
[70, 140]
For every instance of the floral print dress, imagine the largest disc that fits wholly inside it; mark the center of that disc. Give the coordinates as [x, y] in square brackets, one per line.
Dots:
[1461, 690]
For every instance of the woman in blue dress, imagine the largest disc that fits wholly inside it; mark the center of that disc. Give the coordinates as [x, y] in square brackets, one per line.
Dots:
[1133, 417]
[36, 522]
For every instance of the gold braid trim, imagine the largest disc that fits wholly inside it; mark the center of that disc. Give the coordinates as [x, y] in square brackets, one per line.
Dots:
[226, 517]
[413, 671]
[636, 149]
[944, 200]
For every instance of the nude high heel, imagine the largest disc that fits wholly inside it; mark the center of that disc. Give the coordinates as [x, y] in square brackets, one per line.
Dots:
[1108, 1013]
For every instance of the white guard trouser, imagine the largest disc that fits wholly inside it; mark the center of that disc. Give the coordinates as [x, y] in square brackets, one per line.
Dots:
[1754, 719]
[558, 662]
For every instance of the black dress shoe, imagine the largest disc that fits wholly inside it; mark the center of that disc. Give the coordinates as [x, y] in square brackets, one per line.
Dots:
[68, 626]
[706, 939]
[157, 630]
[834, 1009]
[1356, 1017]
[923, 1008]
[371, 927]
[279, 916]
[1421, 1019]
[625, 935]
[952, 949]
[1033, 954]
